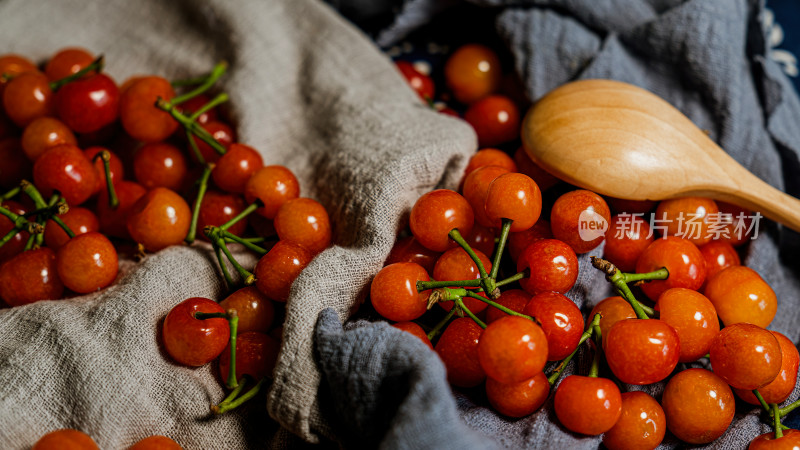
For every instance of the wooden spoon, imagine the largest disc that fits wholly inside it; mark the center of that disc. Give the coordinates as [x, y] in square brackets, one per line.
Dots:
[620, 140]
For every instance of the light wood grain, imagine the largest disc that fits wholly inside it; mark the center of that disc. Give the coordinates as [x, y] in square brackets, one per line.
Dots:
[623, 141]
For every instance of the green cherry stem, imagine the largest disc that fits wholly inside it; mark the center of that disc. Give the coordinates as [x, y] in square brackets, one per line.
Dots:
[617, 279]
[30, 190]
[233, 322]
[11, 194]
[762, 401]
[598, 340]
[501, 244]
[660, 274]
[210, 79]
[776, 412]
[223, 266]
[12, 216]
[438, 328]
[63, 226]
[460, 305]
[456, 236]
[191, 126]
[201, 192]
[425, 285]
[235, 392]
[222, 408]
[230, 237]
[246, 212]
[216, 101]
[252, 240]
[195, 148]
[215, 235]
[29, 244]
[790, 407]
[513, 278]
[96, 65]
[104, 155]
[493, 304]
[563, 364]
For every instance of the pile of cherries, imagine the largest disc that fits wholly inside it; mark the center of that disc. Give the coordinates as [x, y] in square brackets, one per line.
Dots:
[69, 135]
[683, 297]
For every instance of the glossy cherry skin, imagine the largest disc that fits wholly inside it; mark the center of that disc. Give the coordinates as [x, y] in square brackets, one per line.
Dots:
[274, 186]
[767, 441]
[304, 221]
[223, 133]
[88, 104]
[746, 356]
[514, 196]
[738, 224]
[419, 82]
[235, 168]
[472, 72]
[87, 262]
[495, 120]
[693, 317]
[156, 443]
[66, 62]
[458, 349]
[561, 321]
[256, 354]
[517, 242]
[719, 255]
[437, 213]
[476, 189]
[12, 64]
[114, 221]
[160, 218]
[699, 406]
[641, 351]
[490, 157]
[691, 218]
[641, 425]
[524, 165]
[481, 238]
[254, 309]
[739, 294]
[160, 165]
[65, 439]
[518, 399]
[195, 342]
[588, 405]
[17, 243]
[512, 349]
[115, 167]
[217, 208]
[276, 271]
[140, 117]
[16, 167]
[416, 330]
[611, 310]
[779, 389]
[64, 168]
[513, 299]
[79, 220]
[29, 277]
[456, 264]
[408, 249]
[43, 133]
[28, 96]
[626, 239]
[394, 291]
[553, 266]
[683, 260]
[580, 218]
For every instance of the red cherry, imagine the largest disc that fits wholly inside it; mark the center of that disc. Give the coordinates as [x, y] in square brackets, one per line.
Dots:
[156, 443]
[512, 349]
[698, 405]
[15, 167]
[64, 168]
[218, 208]
[408, 249]
[160, 218]
[685, 263]
[641, 425]
[87, 262]
[17, 243]
[516, 197]
[66, 62]
[43, 133]
[274, 186]
[693, 317]
[416, 330]
[738, 230]
[553, 266]
[626, 239]
[114, 221]
[495, 120]
[160, 165]
[490, 157]
[65, 439]
[779, 389]
[580, 218]
[29, 277]
[517, 242]
[254, 309]
[456, 264]
[394, 291]
[518, 399]
[256, 354]
[513, 299]
[114, 166]
[746, 356]
[561, 321]
[481, 238]
[611, 310]
[195, 342]
[476, 189]
[767, 441]
[458, 349]
[194, 104]
[419, 82]
[305, 222]
[691, 218]
[588, 405]
[276, 271]
[79, 220]
[235, 168]
[28, 96]
[223, 133]
[88, 104]
[472, 72]
[437, 213]
[641, 351]
[719, 255]
[139, 115]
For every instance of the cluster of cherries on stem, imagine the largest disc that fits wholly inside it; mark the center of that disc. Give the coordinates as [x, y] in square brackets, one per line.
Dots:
[502, 329]
[75, 133]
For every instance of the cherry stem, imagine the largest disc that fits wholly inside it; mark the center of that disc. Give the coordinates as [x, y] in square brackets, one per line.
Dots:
[776, 412]
[216, 101]
[460, 304]
[246, 212]
[12, 216]
[252, 240]
[105, 155]
[617, 278]
[425, 285]
[96, 65]
[63, 226]
[230, 237]
[201, 192]
[790, 407]
[224, 266]
[563, 364]
[762, 401]
[233, 323]
[438, 328]
[456, 236]
[471, 294]
[501, 244]
[513, 278]
[191, 126]
[215, 235]
[236, 391]
[222, 408]
[11, 194]
[598, 340]
[29, 189]
[210, 79]
[194, 147]
[29, 244]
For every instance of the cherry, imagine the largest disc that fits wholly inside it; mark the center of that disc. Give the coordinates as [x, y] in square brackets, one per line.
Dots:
[305, 222]
[217, 208]
[518, 399]
[79, 220]
[277, 270]
[17, 243]
[408, 249]
[435, 214]
[693, 317]
[114, 221]
[767, 441]
[394, 291]
[159, 218]
[685, 263]
[691, 218]
[416, 330]
[481, 238]
[779, 389]
[472, 72]
[698, 405]
[140, 117]
[490, 157]
[65, 439]
[191, 341]
[719, 255]
[746, 356]
[29, 277]
[114, 165]
[223, 134]
[588, 405]
[516, 197]
[517, 242]
[553, 266]
[274, 186]
[419, 82]
[66, 62]
[561, 321]
[256, 354]
[641, 351]
[512, 349]
[87, 262]
[513, 299]
[195, 104]
[160, 165]
[88, 104]
[28, 96]
[476, 189]
[612, 310]
[43, 133]
[495, 120]
[11, 64]
[619, 205]
[739, 294]
[626, 239]
[253, 308]
[580, 218]
[16, 166]
[458, 349]
[641, 425]
[156, 443]
[456, 264]
[65, 169]
[235, 168]
[525, 165]
[737, 232]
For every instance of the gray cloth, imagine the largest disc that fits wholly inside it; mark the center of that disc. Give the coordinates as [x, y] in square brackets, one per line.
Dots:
[709, 59]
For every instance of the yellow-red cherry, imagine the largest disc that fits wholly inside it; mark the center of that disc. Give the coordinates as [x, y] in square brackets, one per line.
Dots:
[512, 349]
[514, 196]
[394, 291]
[641, 425]
[698, 405]
[693, 317]
[588, 405]
[159, 218]
[518, 399]
[779, 389]
[641, 351]
[191, 341]
[437, 213]
[746, 356]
